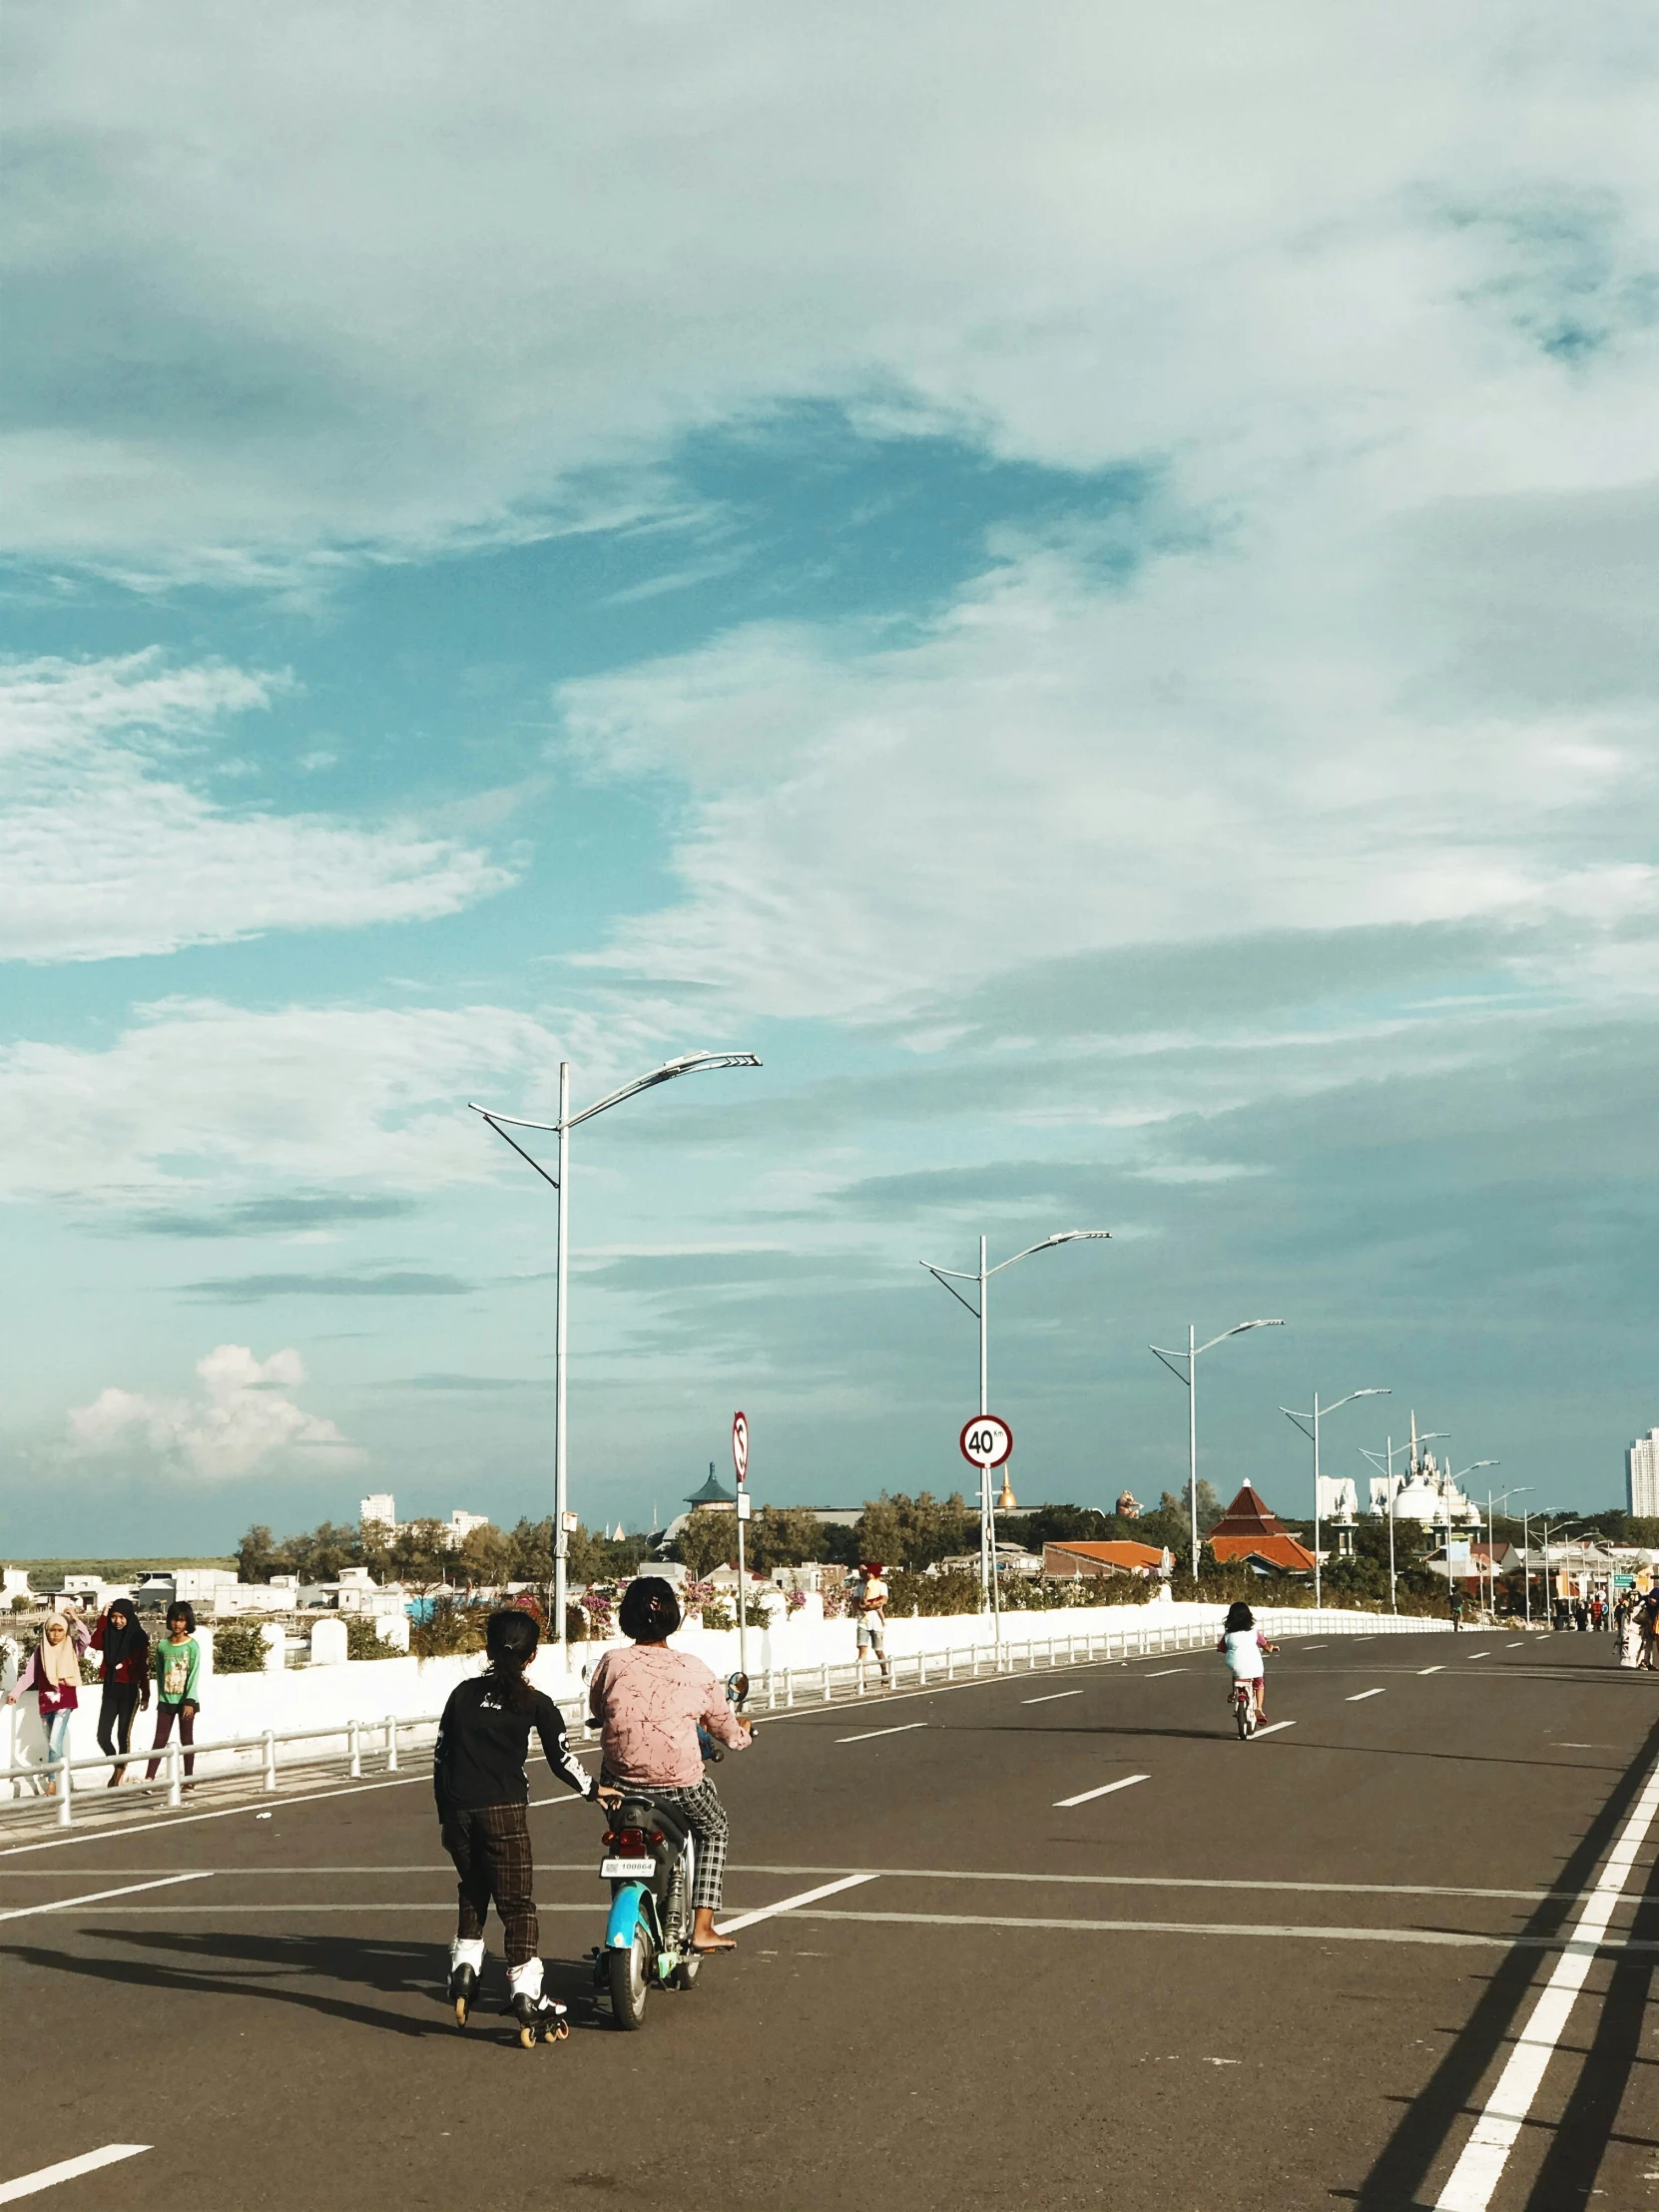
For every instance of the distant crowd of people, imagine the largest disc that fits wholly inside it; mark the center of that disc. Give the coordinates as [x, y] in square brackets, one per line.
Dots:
[128, 1668]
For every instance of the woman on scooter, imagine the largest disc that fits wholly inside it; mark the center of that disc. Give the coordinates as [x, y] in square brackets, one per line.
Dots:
[647, 1703]
[1242, 1645]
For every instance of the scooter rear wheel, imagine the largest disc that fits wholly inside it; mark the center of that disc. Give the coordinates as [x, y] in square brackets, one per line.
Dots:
[630, 1974]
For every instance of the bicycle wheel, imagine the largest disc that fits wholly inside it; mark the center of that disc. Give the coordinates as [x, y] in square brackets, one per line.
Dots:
[1244, 1712]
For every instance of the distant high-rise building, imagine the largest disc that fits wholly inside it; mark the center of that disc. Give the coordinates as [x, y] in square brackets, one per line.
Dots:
[1641, 1476]
[380, 1511]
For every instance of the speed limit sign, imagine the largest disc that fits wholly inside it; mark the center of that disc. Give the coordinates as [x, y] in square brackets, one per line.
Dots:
[986, 1440]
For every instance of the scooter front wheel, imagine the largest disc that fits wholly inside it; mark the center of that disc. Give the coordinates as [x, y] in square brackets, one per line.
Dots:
[629, 1972]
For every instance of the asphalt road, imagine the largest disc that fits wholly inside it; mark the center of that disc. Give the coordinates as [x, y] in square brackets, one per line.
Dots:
[1265, 1976]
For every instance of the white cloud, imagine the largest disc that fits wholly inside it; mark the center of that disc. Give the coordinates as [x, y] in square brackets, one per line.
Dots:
[107, 850]
[197, 1092]
[434, 281]
[243, 1418]
[1260, 739]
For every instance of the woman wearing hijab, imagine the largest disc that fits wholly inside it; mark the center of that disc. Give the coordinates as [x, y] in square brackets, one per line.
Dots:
[53, 1672]
[125, 1649]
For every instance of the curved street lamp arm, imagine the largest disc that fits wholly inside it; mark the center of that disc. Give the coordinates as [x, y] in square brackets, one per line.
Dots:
[1061, 1237]
[1237, 1330]
[688, 1063]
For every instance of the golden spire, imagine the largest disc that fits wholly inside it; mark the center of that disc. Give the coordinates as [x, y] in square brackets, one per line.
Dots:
[1006, 1502]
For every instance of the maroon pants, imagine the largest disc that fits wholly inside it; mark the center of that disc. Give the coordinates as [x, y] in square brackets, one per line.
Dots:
[165, 1716]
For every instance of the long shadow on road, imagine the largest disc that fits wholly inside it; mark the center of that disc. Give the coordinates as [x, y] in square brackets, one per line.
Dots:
[1397, 2176]
[261, 1966]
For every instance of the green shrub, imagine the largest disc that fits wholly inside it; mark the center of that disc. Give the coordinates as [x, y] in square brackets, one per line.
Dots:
[363, 1639]
[238, 1647]
[450, 1628]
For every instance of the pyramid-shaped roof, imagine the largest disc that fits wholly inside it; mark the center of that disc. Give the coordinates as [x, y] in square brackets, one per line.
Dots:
[711, 1493]
[1249, 1515]
[1251, 1530]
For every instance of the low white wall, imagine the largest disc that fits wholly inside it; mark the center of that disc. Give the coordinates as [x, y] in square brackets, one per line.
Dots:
[367, 1690]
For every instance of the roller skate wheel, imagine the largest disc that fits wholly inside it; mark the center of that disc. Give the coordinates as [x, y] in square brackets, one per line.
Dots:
[460, 2012]
[527, 2038]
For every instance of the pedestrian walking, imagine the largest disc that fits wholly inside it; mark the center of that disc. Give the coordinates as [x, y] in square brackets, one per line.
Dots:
[53, 1672]
[1629, 1636]
[1647, 1627]
[125, 1649]
[178, 1675]
[871, 1607]
[1455, 1605]
[1581, 1615]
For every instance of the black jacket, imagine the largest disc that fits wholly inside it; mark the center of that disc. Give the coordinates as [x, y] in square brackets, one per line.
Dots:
[483, 1744]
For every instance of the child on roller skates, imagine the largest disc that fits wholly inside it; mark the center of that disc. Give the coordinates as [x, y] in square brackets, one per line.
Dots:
[483, 1794]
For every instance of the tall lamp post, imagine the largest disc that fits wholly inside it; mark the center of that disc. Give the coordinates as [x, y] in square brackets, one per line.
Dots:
[1571, 1521]
[1386, 1463]
[1302, 1421]
[950, 1277]
[1191, 1356]
[689, 1063]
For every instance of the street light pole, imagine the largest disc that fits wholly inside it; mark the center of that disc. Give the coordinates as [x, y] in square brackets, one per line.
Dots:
[949, 1277]
[689, 1063]
[1301, 1421]
[1191, 1356]
[1389, 1503]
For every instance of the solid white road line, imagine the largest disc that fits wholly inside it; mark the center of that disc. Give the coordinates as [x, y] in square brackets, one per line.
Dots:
[97, 1897]
[68, 2170]
[1105, 1790]
[1162, 1670]
[1273, 1728]
[790, 1904]
[1437, 1938]
[1051, 1697]
[871, 1734]
[1432, 1670]
[1359, 1697]
[1480, 2167]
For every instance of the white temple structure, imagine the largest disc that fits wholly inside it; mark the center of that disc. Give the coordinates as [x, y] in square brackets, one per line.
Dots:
[1425, 1493]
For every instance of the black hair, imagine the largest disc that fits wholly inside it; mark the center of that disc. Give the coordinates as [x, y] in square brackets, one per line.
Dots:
[182, 1609]
[510, 1638]
[650, 1611]
[1239, 1616]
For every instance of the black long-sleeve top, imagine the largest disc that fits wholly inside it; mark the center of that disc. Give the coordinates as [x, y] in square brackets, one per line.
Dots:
[484, 1743]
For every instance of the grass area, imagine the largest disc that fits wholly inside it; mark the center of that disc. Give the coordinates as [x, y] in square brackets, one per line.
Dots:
[44, 1572]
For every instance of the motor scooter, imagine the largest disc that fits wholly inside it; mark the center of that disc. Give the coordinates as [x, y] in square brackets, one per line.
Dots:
[651, 1863]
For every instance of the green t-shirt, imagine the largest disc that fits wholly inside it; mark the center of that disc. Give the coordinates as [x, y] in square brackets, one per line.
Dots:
[178, 1667]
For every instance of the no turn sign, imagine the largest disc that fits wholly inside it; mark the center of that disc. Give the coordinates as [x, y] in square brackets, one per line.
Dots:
[986, 1441]
[740, 1443]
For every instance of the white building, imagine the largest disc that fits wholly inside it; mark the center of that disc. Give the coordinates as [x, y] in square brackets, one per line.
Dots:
[380, 1511]
[1641, 1476]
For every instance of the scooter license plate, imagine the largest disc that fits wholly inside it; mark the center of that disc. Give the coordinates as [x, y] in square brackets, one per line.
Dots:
[627, 1869]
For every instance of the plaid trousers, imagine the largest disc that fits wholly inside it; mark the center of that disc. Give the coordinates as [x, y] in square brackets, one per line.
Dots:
[490, 1844]
[704, 1816]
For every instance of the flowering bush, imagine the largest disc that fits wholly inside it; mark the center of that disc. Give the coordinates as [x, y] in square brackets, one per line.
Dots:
[835, 1601]
[796, 1601]
[599, 1604]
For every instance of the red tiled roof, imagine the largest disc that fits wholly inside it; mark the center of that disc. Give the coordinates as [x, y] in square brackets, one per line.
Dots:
[1249, 1515]
[1120, 1553]
[1275, 1551]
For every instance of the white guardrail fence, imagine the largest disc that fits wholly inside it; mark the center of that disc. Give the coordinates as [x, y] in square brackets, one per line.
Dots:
[1024, 1648]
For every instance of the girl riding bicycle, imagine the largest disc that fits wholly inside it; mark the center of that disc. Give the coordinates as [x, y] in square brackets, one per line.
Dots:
[1242, 1645]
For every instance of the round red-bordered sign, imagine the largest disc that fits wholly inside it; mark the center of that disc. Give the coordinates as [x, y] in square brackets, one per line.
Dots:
[740, 1443]
[986, 1440]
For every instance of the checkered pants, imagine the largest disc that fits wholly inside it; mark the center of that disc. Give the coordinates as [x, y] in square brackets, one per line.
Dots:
[490, 1844]
[704, 1816]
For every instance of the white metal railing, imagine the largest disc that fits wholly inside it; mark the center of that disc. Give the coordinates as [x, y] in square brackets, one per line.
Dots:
[1053, 1645]
[1023, 1648]
[381, 1736]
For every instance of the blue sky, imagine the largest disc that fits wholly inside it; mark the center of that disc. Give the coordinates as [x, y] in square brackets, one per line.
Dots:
[1083, 587]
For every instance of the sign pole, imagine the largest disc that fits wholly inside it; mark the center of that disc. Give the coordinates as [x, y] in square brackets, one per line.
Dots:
[739, 1460]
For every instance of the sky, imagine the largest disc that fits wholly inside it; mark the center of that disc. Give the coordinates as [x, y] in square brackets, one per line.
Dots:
[1080, 581]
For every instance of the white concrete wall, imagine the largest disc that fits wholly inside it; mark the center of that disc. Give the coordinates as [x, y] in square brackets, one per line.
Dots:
[367, 1690]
